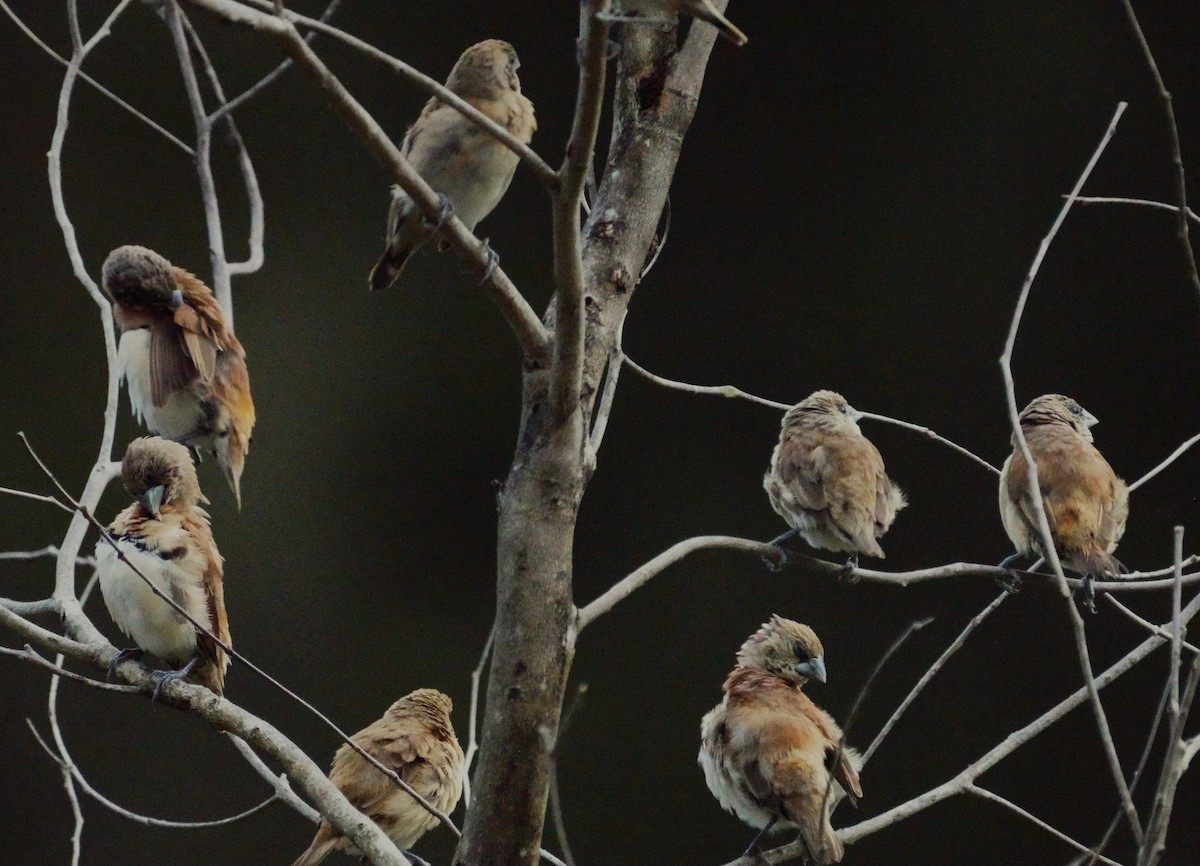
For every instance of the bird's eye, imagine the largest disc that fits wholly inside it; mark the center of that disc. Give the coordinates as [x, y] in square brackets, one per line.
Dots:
[1076, 409]
[801, 651]
[843, 409]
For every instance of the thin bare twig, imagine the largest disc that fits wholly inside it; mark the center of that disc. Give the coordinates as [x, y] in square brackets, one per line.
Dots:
[27, 653]
[473, 715]
[1175, 455]
[1043, 525]
[50, 551]
[954, 647]
[1108, 199]
[1146, 624]
[36, 497]
[279, 783]
[985, 794]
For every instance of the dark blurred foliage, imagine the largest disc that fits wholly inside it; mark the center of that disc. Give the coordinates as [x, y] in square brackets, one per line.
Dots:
[857, 204]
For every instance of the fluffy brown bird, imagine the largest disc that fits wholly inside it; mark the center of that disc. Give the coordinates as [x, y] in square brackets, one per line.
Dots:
[702, 10]
[415, 739]
[185, 370]
[466, 165]
[767, 749]
[166, 536]
[827, 480]
[1086, 504]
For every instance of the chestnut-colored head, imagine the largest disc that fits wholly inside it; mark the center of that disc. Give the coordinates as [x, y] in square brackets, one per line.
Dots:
[827, 410]
[1057, 409]
[158, 472]
[788, 649]
[138, 278]
[484, 69]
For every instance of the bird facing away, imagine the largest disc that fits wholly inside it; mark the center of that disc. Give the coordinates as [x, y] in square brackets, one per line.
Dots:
[1086, 504]
[702, 10]
[827, 480]
[415, 739]
[767, 750]
[166, 536]
[185, 370]
[469, 168]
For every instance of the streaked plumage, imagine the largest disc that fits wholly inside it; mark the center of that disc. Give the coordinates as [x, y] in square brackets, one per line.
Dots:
[414, 738]
[1086, 504]
[766, 749]
[455, 156]
[702, 10]
[827, 480]
[166, 535]
[185, 370]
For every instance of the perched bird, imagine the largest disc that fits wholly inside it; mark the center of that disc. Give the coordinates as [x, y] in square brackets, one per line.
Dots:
[827, 480]
[415, 739]
[165, 535]
[767, 750]
[469, 168]
[699, 9]
[185, 369]
[1086, 504]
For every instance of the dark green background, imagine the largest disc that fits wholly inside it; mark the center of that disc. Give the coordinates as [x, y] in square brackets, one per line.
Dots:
[857, 203]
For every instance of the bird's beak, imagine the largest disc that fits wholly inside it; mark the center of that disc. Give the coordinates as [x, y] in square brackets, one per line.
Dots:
[813, 669]
[152, 499]
[1089, 420]
[176, 299]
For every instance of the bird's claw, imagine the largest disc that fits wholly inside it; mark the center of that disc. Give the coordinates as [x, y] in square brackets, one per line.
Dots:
[1010, 582]
[414, 859]
[123, 655]
[445, 211]
[161, 678]
[493, 261]
[848, 570]
[780, 560]
[1087, 594]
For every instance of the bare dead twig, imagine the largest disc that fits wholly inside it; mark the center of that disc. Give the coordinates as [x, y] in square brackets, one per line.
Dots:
[473, 715]
[985, 794]
[1171, 458]
[1143, 202]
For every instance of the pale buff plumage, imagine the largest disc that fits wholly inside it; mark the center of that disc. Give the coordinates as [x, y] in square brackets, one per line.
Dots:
[766, 748]
[414, 738]
[165, 534]
[1086, 503]
[467, 165]
[184, 368]
[702, 10]
[827, 480]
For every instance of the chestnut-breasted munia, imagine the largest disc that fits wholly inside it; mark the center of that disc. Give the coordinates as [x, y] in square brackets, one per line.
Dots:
[166, 536]
[466, 165]
[414, 738]
[702, 10]
[1086, 504]
[827, 479]
[185, 370]
[767, 750]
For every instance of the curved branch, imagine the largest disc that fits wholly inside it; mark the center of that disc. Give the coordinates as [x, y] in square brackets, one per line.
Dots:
[1175, 455]
[1144, 202]
[985, 794]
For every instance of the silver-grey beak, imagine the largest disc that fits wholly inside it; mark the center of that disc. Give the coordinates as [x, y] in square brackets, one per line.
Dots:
[152, 499]
[1089, 420]
[176, 299]
[813, 669]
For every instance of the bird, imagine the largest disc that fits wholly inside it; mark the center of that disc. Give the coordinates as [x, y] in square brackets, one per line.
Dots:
[185, 369]
[1085, 502]
[702, 10]
[166, 536]
[414, 738]
[468, 167]
[767, 751]
[827, 480]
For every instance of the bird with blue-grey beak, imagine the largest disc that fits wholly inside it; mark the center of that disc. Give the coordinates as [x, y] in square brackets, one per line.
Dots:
[165, 535]
[768, 752]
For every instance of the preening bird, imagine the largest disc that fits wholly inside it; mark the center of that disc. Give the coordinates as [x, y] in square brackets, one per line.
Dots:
[827, 479]
[466, 165]
[415, 739]
[185, 370]
[767, 750]
[702, 10]
[1086, 504]
[165, 535]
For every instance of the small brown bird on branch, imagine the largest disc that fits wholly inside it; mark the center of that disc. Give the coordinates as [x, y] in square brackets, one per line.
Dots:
[166, 536]
[185, 370]
[702, 10]
[768, 751]
[1086, 504]
[467, 166]
[827, 479]
[415, 739]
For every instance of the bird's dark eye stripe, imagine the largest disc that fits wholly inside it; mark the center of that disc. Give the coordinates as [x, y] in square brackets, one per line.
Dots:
[801, 651]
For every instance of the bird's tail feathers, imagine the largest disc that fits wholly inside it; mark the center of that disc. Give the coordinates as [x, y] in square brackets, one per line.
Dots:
[388, 269]
[320, 848]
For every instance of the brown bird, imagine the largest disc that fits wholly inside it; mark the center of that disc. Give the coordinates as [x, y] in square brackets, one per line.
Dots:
[702, 10]
[767, 750]
[185, 370]
[827, 480]
[415, 739]
[165, 535]
[469, 168]
[1086, 504]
